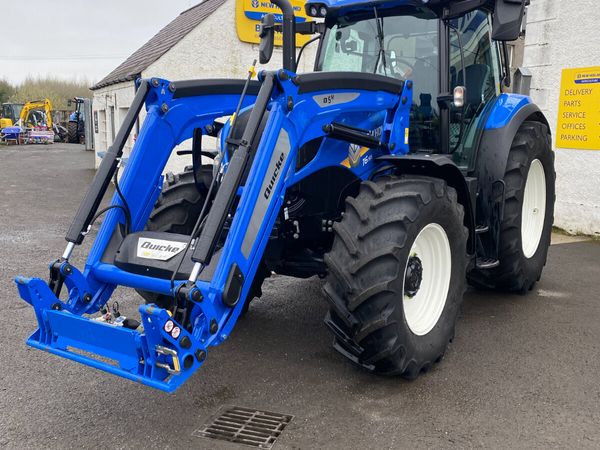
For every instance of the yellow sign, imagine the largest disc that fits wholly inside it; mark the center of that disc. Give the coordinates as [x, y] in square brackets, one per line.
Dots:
[579, 109]
[249, 13]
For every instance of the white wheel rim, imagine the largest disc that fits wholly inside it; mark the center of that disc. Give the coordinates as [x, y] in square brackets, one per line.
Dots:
[534, 209]
[423, 310]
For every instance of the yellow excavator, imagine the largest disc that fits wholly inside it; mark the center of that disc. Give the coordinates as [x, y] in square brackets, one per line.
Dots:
[34, 124]
[36, 114]
[29, 115]
[9, 114]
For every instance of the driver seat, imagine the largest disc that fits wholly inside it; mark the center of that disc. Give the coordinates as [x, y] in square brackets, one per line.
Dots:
[477, 78]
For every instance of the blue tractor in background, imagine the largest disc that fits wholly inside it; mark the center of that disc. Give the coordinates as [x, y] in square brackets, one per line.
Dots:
[398, 170]
[76, 124]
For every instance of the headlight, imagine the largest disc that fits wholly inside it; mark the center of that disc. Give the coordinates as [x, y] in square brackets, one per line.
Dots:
[316, 10]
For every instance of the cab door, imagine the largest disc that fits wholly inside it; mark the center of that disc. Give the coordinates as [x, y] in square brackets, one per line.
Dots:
[475, 64]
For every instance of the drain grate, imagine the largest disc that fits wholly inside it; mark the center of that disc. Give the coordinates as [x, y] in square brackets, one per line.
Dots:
[246, 426]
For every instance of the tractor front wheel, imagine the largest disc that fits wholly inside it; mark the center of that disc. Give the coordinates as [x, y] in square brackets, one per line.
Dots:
[397, 274]
[176, 211]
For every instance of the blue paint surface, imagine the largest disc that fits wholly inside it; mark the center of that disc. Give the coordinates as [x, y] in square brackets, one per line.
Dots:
[505, 109]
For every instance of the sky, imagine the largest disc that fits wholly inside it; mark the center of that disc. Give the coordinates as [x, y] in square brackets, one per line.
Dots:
[78, 39]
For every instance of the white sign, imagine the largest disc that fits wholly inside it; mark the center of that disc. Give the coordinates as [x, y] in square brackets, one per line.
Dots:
[158, 249]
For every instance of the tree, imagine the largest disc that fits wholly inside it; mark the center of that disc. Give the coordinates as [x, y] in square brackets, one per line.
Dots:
[6, 91]
[58, 91]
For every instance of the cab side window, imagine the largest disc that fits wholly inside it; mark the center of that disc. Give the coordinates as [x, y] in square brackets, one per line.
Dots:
[474, 64]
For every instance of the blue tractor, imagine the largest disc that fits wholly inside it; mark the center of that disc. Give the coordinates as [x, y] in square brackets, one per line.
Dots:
[397, 170]
[76, 126]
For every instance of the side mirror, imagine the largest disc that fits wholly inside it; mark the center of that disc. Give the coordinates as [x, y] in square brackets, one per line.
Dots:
[267, 38]
[508, 20]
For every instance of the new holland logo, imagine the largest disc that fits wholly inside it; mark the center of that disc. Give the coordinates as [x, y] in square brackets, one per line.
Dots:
[158, 249]
[354, 154]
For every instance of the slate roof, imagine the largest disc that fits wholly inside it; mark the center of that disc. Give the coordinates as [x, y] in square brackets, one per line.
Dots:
[160, 44]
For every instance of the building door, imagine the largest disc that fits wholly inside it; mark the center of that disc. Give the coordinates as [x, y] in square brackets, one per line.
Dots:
[102, 131]
[112, 124]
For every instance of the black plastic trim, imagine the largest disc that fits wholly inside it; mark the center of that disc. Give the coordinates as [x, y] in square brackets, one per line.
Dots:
[495, 144]
[444, 84]
[233, 286]
[125, 258]
[193, 88]
[322, 81]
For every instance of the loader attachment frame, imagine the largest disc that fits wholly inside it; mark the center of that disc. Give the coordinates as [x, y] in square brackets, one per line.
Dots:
[301, 108]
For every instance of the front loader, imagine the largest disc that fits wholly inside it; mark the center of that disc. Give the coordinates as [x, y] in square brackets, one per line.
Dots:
[397, 170]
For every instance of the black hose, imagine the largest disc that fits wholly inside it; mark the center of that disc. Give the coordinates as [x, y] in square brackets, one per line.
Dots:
[102, 211]
[125, 208]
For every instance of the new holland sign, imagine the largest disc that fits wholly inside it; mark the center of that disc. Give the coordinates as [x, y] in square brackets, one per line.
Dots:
[249, 13]
[579, 109]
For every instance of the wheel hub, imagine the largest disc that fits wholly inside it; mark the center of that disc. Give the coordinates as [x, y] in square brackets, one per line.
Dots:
[427, 279]
[413, 276]
[533, 212]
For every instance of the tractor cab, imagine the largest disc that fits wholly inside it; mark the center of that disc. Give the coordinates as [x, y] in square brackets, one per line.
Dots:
[445, 48]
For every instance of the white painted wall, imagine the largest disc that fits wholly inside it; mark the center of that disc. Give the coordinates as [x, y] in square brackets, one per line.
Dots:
[564, 34]
[559, 35]
[117, 97]
[211, 50]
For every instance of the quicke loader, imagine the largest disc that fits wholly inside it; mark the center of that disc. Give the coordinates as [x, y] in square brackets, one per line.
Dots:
[398, 170]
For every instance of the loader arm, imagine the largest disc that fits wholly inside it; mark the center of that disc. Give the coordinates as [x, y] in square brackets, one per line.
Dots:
[154, 354]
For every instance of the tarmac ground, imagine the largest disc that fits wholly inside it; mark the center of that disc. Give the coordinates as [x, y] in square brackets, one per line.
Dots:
[522, 372]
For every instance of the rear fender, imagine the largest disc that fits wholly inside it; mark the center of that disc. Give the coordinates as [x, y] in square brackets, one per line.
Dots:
[505, 119]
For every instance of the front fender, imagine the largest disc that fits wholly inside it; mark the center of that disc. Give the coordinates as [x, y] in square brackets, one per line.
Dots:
[442, 166]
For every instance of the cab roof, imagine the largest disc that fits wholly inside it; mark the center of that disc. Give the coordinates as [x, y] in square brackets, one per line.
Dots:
[337, 8]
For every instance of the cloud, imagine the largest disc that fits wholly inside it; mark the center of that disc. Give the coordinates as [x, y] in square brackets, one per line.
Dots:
[81, 39]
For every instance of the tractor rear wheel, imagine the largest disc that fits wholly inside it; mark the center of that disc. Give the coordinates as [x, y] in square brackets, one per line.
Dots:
[72, 133]
[526, 229]
[397, 274]
[176, 211]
